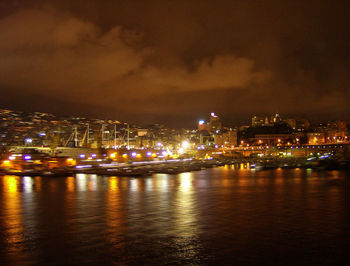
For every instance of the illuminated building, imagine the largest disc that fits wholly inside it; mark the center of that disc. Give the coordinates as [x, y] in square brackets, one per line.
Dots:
[215, 123]
[227, 138]
[202, 125]
[316, 138]
[257, 121]
[271, 139]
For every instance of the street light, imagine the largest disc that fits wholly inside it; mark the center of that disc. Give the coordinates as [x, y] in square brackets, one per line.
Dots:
[185, 144]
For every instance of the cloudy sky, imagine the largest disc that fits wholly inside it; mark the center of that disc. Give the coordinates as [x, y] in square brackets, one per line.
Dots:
[176, 61]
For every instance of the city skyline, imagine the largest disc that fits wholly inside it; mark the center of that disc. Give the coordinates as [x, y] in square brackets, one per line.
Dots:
[174, 62]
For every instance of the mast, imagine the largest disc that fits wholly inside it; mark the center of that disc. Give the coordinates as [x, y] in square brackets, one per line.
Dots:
[69, 139]
[85, 138]
[88, 135]
[128, 136]
[76, 136]
[102, 134]
[115, 136]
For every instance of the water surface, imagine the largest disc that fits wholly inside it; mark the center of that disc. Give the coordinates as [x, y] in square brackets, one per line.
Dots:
[215, 216]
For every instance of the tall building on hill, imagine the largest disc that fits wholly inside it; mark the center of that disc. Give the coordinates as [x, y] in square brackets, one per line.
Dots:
[202, 125]
[215, 123]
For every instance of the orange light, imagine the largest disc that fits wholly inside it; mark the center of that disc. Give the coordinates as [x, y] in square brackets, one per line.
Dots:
[71, 161]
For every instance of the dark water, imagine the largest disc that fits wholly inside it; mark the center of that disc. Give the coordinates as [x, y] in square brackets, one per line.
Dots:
[215, 216]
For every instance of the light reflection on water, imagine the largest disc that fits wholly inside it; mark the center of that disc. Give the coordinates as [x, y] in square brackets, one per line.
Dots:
[12, 220]
[220, 215]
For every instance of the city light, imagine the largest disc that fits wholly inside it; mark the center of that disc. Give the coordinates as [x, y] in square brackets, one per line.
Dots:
[185, 144]
[6, 163]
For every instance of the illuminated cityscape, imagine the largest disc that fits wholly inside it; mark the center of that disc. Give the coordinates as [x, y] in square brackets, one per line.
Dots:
[31, 141]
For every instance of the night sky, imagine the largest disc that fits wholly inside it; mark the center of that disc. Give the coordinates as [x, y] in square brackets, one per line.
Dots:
[174, 62]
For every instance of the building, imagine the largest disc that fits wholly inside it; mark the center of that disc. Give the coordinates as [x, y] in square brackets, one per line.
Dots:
[228, 138]
[316, 137]
[271, 139]
[202, 125]
[258, 121]
[215, 123]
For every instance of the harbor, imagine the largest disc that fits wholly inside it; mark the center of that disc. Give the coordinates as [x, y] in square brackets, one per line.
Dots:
[62, 167]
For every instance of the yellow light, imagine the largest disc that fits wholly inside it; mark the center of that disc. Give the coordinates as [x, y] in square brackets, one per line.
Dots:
[154, 155]
[6, 163]
[112, 155]
[125, 156]
[138, 155]
[71, 161]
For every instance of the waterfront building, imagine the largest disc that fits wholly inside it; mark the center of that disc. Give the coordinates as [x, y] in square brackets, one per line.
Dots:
[316, 138]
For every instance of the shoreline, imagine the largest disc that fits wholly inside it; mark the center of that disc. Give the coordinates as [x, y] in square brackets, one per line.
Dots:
[138, 169]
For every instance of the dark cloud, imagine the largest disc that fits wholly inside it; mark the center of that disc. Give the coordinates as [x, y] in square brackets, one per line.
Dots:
[148, 61]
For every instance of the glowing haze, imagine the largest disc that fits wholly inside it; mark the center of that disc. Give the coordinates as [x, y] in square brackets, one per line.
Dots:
[174, 62]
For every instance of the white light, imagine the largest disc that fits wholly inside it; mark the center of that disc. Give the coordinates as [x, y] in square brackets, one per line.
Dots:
[201, 122]
[29, 140]
[185, 144]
